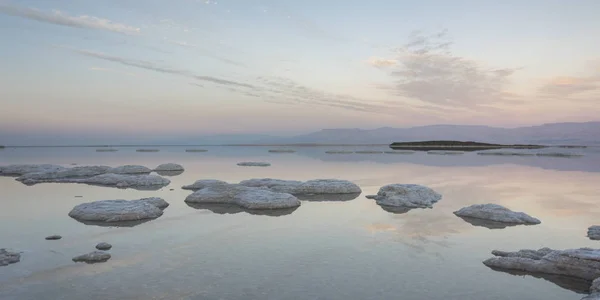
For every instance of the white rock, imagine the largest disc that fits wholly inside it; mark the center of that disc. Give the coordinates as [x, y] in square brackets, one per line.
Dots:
[200, 184]
[328, 186]
[497, 213]
[70, 173]
[169, 167]
[407, 195]
[243, 196]
[18, 170]
[130, 169]
[119, 210]
[581, 263]
[594, 232]
[253, 164]
[92, 257]
[276, 185]
[8, 257]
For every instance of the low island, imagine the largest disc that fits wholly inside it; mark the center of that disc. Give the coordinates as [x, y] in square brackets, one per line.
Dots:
[456, 146]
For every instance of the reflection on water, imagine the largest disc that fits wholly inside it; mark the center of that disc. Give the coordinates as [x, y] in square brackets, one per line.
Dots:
[224, 209]
[577, 285]
[488, 223]
[328, 197]
[331, 248]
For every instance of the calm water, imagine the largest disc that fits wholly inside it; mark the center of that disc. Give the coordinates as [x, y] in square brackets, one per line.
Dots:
[322, 250]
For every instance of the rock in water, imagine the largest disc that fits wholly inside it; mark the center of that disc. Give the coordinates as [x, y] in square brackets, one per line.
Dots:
[92, 257]
[581, 263]
[243, 196]
[7, 257]
[282, 151]
[497, 213]
[63, 174]
[103, 246]
[125, 181]
[169, 167]
[53, 237]
[18, 170]
[253, 164]
[200, 184]
[407, 195]
[594, 232]
[276, 185]
[130, 169]
[119, 210]
[311, 187]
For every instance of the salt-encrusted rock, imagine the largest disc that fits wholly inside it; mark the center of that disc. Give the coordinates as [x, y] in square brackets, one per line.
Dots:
[339, 152]
[8, 257]
[580, 263]
[595, 288]
[18, 170]
[169, 167]
[407, 195]
[276, 185]
[282, 151]
[253, 164]
[124, 181]
[243, 196]
[53, 237]
[200, 184]
[130, 169]
[70, 173]
[327, 186]
[594, 232]
[496, 213]
[119, 210]
[103, 246]
[92, 257]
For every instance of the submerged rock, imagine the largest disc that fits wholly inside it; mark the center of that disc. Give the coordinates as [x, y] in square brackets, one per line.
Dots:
[119, 210]
[169, 167]
[103, 246]
[21, 169]
[8, 257]
[594, 232]
[243, 196]
[282, 151]
[130, 169]
[92, 257]
[581, 263]
[200, 184]
[407, 195]
[253, 164]
[496, 213]
[53, 237]
[67, 173]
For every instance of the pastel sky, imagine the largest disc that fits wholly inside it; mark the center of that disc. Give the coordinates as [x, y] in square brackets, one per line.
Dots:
[129, 67]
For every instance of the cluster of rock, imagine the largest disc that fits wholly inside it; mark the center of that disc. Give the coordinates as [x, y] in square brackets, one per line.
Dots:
[266, 193]
[8, 257]
[112, 211]
[128, 176]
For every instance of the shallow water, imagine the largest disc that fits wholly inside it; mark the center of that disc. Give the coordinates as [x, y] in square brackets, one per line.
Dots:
[323, 250]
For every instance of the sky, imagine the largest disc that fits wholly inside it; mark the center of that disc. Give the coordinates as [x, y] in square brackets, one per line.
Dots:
[201, 67]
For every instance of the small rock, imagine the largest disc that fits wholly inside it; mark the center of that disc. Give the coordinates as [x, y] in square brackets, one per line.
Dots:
[92, 257]
[496, 213]
[78, 196]
[53, 237]
[169, 167]
[407, 195]
[371, 196]
[103, 246]
[594, 232]
[171, 189]
[253, 164]
[8, 257]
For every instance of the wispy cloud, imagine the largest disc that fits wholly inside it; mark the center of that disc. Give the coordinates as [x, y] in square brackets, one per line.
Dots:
[565, 87]
[60, 18]
[99, 69]
[427, 70]
[205, 52]
[379, 62]
[157, 68]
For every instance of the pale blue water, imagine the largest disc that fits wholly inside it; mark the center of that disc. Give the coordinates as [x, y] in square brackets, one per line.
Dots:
[322, 250]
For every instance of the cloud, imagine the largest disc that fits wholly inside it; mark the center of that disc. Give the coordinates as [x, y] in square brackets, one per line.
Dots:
[381, 62]
[60, 18]
[205, 52]
[426, 70]
[565, 87]
[161, 69]
[110, 70]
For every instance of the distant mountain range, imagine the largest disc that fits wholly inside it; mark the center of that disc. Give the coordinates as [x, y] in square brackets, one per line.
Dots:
[587, 133]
